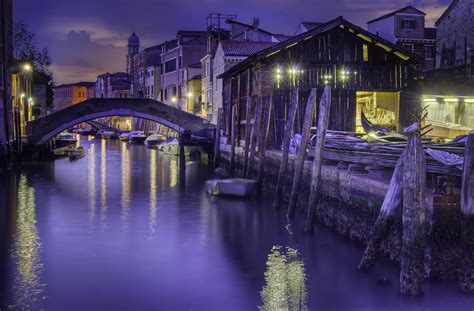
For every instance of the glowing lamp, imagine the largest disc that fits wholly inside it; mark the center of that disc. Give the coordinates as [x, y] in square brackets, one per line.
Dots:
[27, 67]
[190, 95]
[469, 100]
[22, 95]
[429, 100]
[451, 100]
[174, 99]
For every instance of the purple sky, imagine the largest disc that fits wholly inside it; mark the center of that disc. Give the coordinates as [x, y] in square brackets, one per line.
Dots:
[88, 37]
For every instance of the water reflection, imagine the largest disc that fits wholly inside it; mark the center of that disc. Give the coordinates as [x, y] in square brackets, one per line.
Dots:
[125, 202]
[91, 179]
[103, 182]
[27, 287]
[173, 171]
[285, 281]
[153, 211]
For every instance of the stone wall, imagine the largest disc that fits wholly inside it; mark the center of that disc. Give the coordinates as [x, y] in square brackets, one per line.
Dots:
[351, 203]
[455, 26]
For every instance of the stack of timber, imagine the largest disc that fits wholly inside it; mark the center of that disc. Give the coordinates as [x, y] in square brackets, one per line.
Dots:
[350, 147]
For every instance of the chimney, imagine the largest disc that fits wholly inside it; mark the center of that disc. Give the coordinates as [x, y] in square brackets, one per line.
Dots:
[256, 22]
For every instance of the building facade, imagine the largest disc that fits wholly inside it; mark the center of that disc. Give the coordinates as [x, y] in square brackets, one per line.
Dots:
[152, 81]
[228, 54]
[6, 54]
[192, 90]
[455, 35]
[366, 73]
[190, 49]
[70, 94]
[406, 28]
[234, 31]
[113, 85]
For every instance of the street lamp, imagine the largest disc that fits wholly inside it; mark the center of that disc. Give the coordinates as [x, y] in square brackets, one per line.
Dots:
[27, 67]
[174, 99]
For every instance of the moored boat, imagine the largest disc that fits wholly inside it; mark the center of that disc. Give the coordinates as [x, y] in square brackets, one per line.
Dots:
[154, 140]
[76, 153]
[65, 139]
[237, 187]
[108, 135]
[137, 137]
[171, 147]
[124, 136]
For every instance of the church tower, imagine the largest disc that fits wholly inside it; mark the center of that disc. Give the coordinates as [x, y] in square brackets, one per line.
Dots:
[133, 47]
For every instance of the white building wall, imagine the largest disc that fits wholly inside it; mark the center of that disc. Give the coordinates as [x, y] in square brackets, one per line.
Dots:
[385, 28]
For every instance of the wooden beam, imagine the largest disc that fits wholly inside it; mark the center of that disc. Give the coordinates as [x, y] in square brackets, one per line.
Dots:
[255, 130]
[308, 120]
[413, 237]
[285, 146]
[323, 121]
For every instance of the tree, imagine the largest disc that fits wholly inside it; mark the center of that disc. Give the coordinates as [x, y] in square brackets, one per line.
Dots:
[25, 49]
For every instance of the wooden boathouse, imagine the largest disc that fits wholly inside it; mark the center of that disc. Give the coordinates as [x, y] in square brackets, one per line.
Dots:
[366, 73]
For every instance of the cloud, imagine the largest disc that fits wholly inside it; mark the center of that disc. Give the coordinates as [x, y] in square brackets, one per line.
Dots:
[90, 35]
[78, 57]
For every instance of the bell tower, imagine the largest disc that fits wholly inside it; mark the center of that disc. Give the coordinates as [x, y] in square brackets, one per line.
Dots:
[133, 48]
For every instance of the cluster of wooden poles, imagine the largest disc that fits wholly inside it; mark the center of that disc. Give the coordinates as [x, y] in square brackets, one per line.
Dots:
[406, 190]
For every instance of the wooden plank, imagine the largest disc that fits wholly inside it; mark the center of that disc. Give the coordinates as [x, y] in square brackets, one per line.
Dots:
[217, 140]
[232, 141]
[263, 141]
[323, 121]
[247, 132]
[308, 120]
[255, 130]
[413, 237]
[286, 148]
[466, 276]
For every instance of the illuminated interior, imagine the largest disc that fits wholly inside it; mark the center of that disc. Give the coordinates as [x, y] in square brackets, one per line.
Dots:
[381, 108]
[449, 116]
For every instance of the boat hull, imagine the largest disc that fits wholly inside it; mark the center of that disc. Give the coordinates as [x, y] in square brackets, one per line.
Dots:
[235, 187]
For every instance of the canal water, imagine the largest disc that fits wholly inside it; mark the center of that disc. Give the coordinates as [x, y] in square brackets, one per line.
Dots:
[120, 229]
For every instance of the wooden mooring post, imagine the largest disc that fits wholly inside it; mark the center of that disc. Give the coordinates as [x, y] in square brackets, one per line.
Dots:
[285, 147]
[255, 130]
[248, 127]
[263, 141]
[217, 141]
[233, 140]
[323, 122]
[413, 218]
[392, 202]
[308, 120]
[466, 275]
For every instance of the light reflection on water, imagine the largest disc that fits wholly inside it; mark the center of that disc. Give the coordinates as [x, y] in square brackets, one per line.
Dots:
[179, 249]
[153, 190]
[285, 281]
[103, 182]
[28, 288]
[126, 185]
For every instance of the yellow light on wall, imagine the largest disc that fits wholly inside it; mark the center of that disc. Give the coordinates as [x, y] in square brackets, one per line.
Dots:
[190, 95]
[451, 100]
[174, 99]
[469, 100]
[430, 100]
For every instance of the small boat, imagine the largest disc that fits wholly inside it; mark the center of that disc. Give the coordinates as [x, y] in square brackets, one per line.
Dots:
[370, 128]
[154, 140]
[76, 153]
[65, 139]
[124, 136]
[236, 187]
[137, 137]
[108, 134]
[171, 147]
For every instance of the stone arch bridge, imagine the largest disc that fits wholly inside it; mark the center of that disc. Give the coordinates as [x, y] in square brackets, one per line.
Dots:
[45, 128]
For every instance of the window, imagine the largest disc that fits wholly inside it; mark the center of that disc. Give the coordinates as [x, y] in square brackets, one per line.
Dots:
[151, 91]
[429, 52]
[151, 73]
[166, 94]
[179, 62]
[409, 47]
[408, 24]
[170, 65]
[365, 52]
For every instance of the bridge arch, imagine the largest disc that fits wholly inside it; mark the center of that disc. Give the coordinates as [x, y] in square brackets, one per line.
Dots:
[45, 128]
